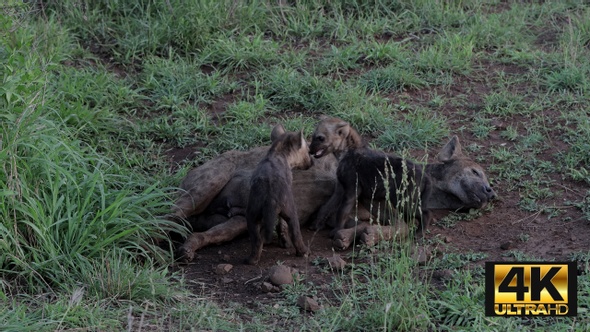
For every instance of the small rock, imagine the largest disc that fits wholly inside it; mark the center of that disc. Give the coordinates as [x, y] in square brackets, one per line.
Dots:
[267, 287]
[336, 262]
[445, 274]
[222, 269]
[280, 275]
[308, 304]
[227, 280]
[421, 255]
[506, 245]
[448, 239]
[225, 258]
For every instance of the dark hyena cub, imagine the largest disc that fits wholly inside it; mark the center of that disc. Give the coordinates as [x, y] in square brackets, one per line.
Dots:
[270, 191]
[368, 176]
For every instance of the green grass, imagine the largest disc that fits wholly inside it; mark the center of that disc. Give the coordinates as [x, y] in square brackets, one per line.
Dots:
[94, 97]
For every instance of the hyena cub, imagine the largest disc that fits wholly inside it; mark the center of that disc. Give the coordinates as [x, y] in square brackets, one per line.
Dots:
[369, 176]
[270, 191]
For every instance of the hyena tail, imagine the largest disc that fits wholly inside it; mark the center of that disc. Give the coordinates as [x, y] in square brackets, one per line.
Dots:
[269, 219]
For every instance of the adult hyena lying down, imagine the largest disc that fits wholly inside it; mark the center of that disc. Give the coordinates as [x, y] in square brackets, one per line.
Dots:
[215, 194]
[454, 183]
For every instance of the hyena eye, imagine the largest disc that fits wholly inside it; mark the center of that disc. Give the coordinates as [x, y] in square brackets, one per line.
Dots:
[475, 172]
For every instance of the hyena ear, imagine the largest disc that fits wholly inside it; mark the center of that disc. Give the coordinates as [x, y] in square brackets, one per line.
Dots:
[302, 141]
[451, 150]
[277, 131]
[343, 129]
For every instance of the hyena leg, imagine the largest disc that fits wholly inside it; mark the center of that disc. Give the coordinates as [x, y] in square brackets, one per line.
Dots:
[289, 214]
[224, 232]
[328, 209]
[284, 234]
[349, 198]
[256, 240]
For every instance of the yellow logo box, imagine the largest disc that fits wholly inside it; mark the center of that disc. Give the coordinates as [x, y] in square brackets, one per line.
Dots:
[531, 289]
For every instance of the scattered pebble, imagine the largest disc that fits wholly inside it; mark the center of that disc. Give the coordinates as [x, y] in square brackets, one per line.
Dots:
[223, 269]
[506, 245]
[421, 255]
[336, 262]
[227, 280]
[308, 304]
[267, 287]
[445, 274]
[280, 275]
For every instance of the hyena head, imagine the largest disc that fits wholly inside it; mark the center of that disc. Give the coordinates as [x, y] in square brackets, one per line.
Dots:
[333, 135]
[463, 177]
[293, 146]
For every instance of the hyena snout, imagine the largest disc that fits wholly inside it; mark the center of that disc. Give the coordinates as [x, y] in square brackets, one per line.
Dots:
[489, 192]
[304, 160]
[318, 146]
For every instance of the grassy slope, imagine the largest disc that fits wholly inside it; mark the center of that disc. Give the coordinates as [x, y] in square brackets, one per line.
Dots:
[93, 95]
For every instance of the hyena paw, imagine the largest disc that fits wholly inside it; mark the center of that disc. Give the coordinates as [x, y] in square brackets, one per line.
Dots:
[184, 254]
[303, 253]
[251, 261]
[343, 239]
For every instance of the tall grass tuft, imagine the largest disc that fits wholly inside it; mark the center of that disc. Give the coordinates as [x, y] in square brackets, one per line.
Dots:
[65, 206]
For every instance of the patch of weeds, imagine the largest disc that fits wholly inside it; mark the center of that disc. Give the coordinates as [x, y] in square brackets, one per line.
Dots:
[583, 205]
[534, 138]
[455, 260]
[577, 158]
[393, 78]
[451, 53]
[291, 90]
[528, 204]
[174, 81]
[243, 128]
[338, 60]
[88, 100]
[182, 127]
[300, 122]
[419, 129]
[503, 104]
[510, 165]
[451, 220]
[370, 113]
[377, 53]
[374, 297]
[473, 148]
[436, 100]
[242, 53]
[572, 78]
[510, 133]
[461, 303]
[524, 237]
[536, 188]
[482, 127]
[505, 30]
[299, 288]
